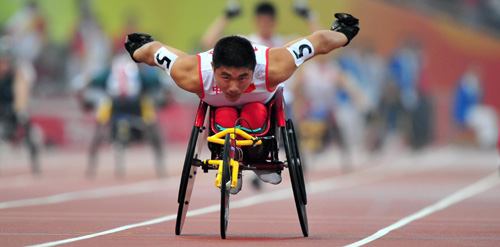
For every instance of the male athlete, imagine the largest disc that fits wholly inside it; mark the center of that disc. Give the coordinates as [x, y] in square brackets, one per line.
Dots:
[237, 77]
[16, 80]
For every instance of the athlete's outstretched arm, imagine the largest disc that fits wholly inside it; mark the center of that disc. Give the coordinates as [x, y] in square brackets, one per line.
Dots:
[283, 61]
[183, 68]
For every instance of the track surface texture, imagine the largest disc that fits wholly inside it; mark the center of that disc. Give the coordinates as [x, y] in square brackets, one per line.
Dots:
[441, 196]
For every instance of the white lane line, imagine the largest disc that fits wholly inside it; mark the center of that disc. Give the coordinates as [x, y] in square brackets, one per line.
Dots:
[253, 200]
[334, 183]
[482, 185]
[339, 182]
[129, 189]
[397, 168]
[394, 168]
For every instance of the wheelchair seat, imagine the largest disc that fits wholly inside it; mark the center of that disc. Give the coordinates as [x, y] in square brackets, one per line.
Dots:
[263, 131]
[251, 154]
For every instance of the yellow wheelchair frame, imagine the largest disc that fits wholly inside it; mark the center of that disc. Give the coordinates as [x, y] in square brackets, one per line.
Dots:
[218, 138]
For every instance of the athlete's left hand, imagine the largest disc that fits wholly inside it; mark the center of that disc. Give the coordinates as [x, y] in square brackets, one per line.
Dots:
[346, 24]
[134, 41]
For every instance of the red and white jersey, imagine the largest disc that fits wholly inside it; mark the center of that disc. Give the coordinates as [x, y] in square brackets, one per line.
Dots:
[258, 91]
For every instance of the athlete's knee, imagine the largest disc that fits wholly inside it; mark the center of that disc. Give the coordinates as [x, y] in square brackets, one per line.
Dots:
[226, 116]
[255, 113]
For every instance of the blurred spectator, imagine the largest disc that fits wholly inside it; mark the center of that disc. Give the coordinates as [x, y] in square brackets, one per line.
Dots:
[265, 21]
[491, 11]
[351, 111]
[27, 28]
[314, 92]
[373, 74]
[16, 80]
[90, 49]
[321, 118]
[476, 122]
[413, 114]
[477, 14]
[127, 106]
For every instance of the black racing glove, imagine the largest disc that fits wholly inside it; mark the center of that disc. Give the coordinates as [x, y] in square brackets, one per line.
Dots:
[134, 41]
[346, 24]
[301, 9]
[233, 9]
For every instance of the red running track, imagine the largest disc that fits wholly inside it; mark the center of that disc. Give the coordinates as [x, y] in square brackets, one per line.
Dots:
[438, 197]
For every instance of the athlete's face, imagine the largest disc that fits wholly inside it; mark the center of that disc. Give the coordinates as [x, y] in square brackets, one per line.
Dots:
[233, 81]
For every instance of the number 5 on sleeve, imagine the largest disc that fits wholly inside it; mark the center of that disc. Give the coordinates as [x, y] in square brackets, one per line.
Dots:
[301, 51]
[165, 59]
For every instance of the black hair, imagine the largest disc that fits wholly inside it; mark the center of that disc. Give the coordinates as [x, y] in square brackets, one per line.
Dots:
[265, 8]
[234, 51]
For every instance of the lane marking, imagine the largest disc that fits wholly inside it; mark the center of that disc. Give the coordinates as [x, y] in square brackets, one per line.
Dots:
[333, 183]
[394, 168]
[129, 189]
[378, 173]
[143, 187]
[253, 200]
[482, 185]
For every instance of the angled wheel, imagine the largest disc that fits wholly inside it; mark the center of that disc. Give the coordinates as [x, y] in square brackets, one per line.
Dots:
[292, 168]
[292, 137]
[225, 186]
[187, 180]
[119, 159]
[33, 149]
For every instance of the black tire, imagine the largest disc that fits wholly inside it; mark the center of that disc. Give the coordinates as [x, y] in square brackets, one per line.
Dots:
[225, 186]
[187, 181]
[94, 148]
[299, 202]
[119, 159]
[156, 143]
[292, 137]
[33, 150]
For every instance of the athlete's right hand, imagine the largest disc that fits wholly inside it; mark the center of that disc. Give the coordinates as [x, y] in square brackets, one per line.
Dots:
[134, 41]
[233, 9]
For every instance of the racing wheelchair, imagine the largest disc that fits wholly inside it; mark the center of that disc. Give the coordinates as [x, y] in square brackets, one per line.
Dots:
[121, 123]
[234, 150]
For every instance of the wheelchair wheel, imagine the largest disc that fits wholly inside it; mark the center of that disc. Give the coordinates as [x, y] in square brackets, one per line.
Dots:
[292, 137]
[225, 185]
[299, 202]
[119, 159]
[187, 181]
[33, 147]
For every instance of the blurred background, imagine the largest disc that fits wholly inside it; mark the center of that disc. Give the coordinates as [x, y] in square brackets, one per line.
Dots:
[419, 73]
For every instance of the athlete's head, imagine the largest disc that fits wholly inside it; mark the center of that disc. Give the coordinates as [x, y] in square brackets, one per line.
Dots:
[265, 19]
[233, 62]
